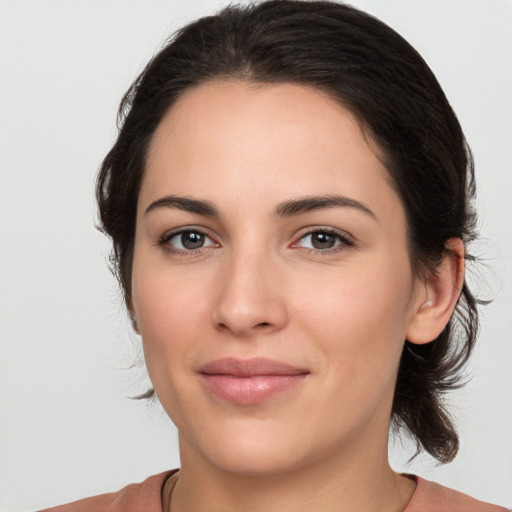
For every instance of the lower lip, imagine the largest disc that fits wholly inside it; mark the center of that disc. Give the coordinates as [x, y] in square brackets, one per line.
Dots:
[250, 390]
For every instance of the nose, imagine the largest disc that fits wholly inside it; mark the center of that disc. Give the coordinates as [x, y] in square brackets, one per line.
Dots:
[251, 297]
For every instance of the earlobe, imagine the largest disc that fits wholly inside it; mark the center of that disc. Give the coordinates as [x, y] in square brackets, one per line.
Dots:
[437, 302]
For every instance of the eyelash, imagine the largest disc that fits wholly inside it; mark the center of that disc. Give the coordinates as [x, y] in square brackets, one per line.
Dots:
[344, 241]
[167, 237]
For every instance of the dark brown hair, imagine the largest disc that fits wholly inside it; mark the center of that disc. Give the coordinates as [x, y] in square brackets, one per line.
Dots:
[376, 74]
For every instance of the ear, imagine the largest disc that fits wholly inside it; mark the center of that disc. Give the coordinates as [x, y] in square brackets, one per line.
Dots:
[438, 295]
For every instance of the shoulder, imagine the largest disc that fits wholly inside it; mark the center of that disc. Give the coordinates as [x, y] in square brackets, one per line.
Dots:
[141, 497]
[432, 497]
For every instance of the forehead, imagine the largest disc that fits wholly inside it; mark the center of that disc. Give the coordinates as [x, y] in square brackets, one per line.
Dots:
[257, 118]
[264, 142]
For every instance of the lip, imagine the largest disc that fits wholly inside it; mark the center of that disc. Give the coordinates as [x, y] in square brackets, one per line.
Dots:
[250, 381]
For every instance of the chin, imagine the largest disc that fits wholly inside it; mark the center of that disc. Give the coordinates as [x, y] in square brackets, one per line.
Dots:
[255, 461]
[251, 448]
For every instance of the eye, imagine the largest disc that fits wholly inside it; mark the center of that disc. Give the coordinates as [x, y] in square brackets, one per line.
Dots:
[323, 240]
[187, 241]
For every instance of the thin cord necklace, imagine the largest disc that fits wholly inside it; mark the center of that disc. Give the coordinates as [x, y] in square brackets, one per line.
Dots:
[170, 493]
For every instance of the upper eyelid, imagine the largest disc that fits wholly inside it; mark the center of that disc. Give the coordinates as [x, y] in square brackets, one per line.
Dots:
[299, 235]
[324, 229]
[167, 235]
[164, 241]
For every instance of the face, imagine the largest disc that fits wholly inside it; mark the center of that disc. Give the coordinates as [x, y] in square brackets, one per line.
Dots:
[271, 280]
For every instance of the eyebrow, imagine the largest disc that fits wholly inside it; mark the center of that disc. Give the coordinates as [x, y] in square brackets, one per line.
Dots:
[184, 203]
[289, 208]
[307, 204]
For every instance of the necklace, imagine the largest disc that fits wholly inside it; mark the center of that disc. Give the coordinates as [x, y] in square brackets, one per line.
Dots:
[167, 491]
[170, 484]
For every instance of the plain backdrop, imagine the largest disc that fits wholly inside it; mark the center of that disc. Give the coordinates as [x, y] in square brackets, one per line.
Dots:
[67, 428]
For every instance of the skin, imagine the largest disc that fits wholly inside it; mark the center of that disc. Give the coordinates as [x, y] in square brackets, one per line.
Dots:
[259, 288]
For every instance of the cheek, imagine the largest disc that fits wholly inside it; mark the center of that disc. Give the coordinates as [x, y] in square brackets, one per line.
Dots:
[171, 311]
[171, 315]
[358, 318]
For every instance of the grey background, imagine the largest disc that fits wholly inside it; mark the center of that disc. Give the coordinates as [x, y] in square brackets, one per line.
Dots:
[67, 429]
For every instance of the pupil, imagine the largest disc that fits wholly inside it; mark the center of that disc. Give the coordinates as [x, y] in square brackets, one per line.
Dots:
[192, 240]
[323, 241]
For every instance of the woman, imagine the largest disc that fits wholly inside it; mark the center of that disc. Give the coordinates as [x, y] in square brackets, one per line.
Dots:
[289, 200]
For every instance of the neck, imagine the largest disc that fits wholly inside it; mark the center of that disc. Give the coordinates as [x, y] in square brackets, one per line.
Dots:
[362, 481]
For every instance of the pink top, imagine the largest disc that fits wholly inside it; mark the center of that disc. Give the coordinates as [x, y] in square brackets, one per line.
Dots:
[147, 497]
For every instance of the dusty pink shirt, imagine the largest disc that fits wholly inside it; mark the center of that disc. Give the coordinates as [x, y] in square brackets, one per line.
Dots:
[147, 497]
